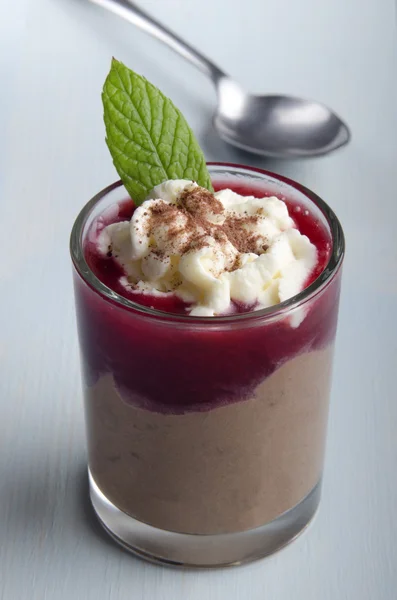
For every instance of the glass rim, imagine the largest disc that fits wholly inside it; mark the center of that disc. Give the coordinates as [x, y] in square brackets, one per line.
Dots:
[274, 311]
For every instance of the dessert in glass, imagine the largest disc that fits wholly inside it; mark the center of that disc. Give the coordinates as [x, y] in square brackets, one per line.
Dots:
[206, 323]
[207, 426]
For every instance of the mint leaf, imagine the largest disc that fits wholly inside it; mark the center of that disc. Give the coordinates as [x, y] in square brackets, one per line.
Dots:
[148, 137]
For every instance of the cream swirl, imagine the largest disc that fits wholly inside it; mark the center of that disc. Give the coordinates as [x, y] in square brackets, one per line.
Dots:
[211, 250]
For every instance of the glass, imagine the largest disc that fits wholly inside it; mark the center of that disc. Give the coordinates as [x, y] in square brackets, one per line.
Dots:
[206, 435]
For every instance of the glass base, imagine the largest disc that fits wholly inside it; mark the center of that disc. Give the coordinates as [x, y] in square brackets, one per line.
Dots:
[202, 551]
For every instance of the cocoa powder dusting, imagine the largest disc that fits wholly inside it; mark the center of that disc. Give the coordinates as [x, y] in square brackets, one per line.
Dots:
[198, 207]
[239, 236]
[199, 202]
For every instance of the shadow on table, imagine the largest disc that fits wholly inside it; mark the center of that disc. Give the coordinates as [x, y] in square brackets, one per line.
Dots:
[44, 510]
[48, 505]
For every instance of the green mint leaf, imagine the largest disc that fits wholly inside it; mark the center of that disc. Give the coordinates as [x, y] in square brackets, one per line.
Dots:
[148, 137]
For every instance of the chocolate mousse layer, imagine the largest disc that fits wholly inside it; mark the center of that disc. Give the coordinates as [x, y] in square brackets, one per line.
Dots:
[229, 469]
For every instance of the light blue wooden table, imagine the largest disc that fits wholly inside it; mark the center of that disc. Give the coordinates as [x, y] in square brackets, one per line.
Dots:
[54, 55]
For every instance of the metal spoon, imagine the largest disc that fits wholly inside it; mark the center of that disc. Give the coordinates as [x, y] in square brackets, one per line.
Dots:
[276, 126]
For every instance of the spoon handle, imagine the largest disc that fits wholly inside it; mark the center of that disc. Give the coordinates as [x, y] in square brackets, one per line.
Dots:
[132, 13]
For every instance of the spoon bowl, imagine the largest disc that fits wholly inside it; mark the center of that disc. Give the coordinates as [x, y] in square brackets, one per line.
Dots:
[274, 126]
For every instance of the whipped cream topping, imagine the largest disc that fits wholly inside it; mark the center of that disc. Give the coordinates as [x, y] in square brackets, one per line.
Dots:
[211, 250]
